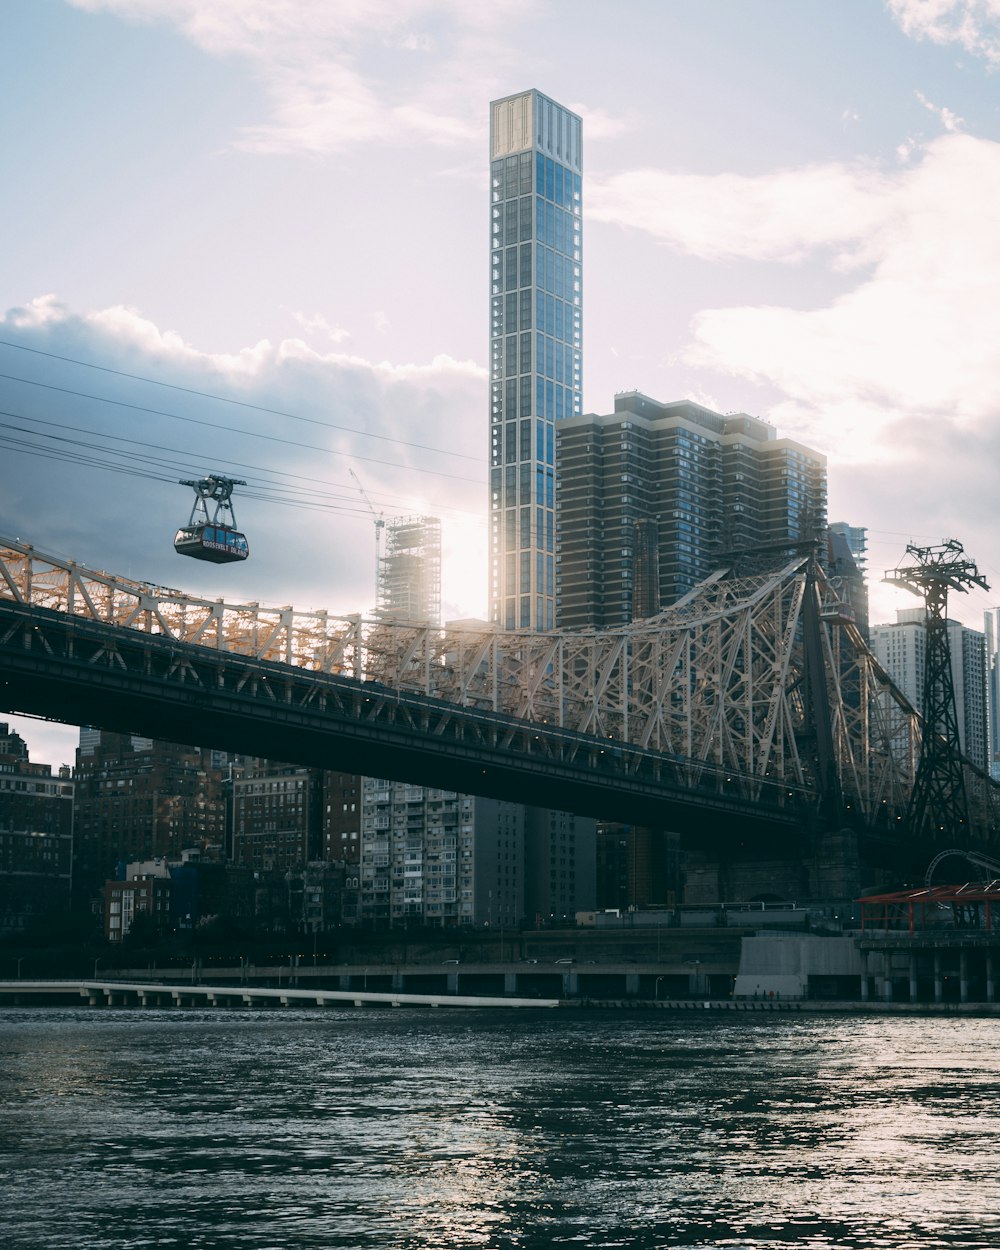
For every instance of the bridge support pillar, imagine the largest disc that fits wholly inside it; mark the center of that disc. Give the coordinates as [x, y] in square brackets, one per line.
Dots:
[398, 979]
[938, 982]
[570, 985]
[913, 977]
[344, 981]
[452, 982]
[991, 989]
[864, 976]
[632, 984]
[963, 976]
[510, 982]
[886, 977]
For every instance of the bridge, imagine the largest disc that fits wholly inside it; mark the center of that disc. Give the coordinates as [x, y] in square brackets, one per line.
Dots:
[752, 704]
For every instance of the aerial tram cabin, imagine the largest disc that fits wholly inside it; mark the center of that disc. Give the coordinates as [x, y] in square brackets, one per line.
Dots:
[213, 537]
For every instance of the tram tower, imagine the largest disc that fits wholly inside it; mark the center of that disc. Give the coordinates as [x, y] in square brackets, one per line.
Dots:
[938, 801]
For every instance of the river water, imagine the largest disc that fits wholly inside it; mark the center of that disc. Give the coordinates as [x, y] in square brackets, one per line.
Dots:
[405, 1129]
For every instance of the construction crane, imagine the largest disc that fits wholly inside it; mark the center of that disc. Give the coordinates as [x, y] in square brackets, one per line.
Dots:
[379, 519]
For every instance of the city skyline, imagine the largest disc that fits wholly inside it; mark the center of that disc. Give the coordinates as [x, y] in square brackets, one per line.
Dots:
[788, 213]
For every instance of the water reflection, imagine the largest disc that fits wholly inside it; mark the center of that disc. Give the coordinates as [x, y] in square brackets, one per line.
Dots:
[411, 1130]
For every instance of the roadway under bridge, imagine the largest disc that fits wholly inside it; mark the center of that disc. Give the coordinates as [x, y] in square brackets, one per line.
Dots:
[749, 710]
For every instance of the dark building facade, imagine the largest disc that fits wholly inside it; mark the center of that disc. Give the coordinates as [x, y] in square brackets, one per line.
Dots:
[637, 867]
[653, 495]
[140, 800]
[36, 836]
[278, 816]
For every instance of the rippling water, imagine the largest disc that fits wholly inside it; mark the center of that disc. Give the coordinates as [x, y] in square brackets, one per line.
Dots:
[409, 1129]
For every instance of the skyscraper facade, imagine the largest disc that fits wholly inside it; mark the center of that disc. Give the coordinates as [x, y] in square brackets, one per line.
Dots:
[991, 621]
[536, 341]
[901, 648]
[652, 495]
[847, 562]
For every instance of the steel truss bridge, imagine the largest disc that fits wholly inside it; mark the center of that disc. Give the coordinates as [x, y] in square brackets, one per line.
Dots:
[752, 704]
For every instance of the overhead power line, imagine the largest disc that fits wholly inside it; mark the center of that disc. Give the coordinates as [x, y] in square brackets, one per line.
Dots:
[239, 403]
[232, 429]
[273, 485]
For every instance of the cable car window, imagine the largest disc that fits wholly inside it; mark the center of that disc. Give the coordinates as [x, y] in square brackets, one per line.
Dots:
[208, 537]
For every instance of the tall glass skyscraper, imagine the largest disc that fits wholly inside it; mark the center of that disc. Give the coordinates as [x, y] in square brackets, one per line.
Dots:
[536, 341]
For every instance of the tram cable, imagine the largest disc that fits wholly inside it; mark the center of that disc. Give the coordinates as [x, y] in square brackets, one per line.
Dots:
[239, 403]
[163, 469]
[233, 429]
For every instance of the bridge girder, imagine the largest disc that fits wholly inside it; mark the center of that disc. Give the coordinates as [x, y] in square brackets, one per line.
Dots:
[714, 687]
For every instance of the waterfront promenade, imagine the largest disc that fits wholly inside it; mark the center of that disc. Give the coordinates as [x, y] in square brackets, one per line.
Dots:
[164, 995]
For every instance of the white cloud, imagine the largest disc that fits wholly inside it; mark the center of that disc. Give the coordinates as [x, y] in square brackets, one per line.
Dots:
[318, 324]
[38, 312]
[919, 334]
[780, 216]
[951, 121]
[302, 417]
[919, 330]
[897, 378]
[599, 123]
[972, 24]
[323, 64]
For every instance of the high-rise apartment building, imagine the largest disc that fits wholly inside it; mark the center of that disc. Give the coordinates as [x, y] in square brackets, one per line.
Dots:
[846, 562]
[434, 857]
[137, 799]
[901, 648]
[36, 836]
[536, 341]
[992, 629]
[653, 494]
[856, 538]
[278, 816]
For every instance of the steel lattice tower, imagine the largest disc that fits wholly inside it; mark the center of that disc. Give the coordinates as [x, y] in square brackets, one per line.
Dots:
[939, 797]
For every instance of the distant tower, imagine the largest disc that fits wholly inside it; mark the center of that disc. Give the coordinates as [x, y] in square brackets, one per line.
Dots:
[536, 341]
[992, 623]
[846, 564]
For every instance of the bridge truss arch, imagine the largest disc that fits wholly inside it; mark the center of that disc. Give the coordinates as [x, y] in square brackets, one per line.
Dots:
[714, 687]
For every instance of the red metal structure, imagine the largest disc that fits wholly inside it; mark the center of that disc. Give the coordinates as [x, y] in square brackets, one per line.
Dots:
[933, 907]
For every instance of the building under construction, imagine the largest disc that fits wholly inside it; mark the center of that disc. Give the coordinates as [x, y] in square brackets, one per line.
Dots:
[409, 583]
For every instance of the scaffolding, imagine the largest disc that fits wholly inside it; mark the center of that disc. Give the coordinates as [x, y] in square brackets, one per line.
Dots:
[409, 584]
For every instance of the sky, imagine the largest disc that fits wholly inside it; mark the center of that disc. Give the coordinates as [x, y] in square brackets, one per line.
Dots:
[250, 237]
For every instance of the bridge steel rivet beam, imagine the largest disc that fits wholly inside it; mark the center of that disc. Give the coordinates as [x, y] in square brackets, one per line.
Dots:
[698, 709]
